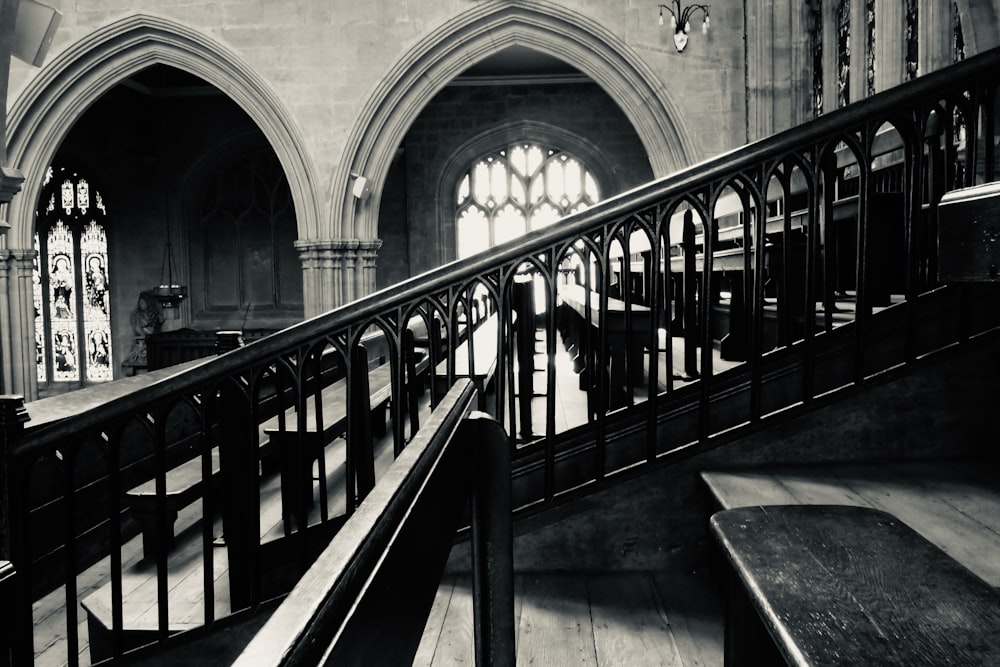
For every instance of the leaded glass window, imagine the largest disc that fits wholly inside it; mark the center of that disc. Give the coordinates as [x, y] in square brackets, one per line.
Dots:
[816, 39]
[912, 62]
[958, 39]
[70, 283]
[516, 189]
[870, 46]
[844, 53]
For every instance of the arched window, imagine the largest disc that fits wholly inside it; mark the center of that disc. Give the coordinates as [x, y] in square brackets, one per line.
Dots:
[515, 189]
[70, 277]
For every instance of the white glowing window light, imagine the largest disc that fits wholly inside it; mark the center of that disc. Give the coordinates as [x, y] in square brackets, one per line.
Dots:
[513, 190]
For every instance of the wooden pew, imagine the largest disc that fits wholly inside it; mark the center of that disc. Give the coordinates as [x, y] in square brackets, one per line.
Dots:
[475, 357]
[628, 333]
[848, 585]
[184, 483]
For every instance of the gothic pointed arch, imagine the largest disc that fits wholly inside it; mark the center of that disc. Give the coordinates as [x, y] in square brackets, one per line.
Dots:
[476, 34]
[43, 115]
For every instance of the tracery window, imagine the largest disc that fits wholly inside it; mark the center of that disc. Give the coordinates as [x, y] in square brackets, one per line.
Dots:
[70, 281]
[516, 189]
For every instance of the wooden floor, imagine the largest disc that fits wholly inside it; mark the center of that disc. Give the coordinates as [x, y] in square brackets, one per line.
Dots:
[633, 618]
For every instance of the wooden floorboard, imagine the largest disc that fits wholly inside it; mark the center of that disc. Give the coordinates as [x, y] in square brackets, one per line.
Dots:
[623, 618]
[693, 604]
[555, 626]
[630, 625]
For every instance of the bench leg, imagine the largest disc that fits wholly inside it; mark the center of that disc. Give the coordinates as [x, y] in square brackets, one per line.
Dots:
[747, 642]
[150, 541]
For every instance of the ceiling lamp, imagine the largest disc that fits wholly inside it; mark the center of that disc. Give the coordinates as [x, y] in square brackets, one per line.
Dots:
[168, 293]
[680, 21]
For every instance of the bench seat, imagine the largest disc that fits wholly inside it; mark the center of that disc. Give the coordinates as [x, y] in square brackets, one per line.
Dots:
[183, 486]
[954, 503]
[848, 585]
[480, 366]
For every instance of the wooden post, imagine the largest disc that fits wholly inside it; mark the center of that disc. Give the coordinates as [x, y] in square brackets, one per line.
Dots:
[360, 443]
[16, 619]
[688, 311]
[492, 540]
[241, 491]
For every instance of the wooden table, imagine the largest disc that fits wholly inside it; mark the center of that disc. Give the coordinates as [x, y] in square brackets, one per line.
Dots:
[842, 585]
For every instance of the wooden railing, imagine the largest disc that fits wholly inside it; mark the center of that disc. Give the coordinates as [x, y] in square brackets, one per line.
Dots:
[812, 290]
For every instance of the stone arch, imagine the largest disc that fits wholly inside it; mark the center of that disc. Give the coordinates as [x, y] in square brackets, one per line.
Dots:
[47, 109]
[471, 36]
[45, 112]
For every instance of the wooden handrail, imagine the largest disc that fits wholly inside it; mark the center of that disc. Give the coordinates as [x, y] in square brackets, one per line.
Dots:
[366, 598]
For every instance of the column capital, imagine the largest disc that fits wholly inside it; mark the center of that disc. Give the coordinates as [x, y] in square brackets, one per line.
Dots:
[11, 180]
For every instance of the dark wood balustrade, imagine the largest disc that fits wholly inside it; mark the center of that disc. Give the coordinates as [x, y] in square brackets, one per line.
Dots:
[66, 483]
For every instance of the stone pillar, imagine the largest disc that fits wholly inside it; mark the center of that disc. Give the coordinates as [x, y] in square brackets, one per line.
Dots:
[936, 30]
[890, 45]
[21, 324]
[10, 184]
[365, 273]
[336, 271]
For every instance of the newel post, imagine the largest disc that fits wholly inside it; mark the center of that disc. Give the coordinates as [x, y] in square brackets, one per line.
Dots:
[15, 613]
[492, 541]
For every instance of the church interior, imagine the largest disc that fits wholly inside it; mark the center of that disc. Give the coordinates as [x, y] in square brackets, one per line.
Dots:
[507, 331]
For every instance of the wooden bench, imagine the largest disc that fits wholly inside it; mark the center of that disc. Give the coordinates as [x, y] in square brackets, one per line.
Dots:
[848, 585]
[297, 451]
[184, 483]
[954, 503]
[479, 363]
[183, 486]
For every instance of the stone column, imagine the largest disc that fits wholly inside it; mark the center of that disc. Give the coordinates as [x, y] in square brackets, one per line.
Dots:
[335, 272]
[936, 29]
[10, 184]
[365, 272]
[21, 324]
[890, 45]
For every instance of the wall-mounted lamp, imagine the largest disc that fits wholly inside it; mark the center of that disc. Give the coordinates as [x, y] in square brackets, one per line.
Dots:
[680, 21]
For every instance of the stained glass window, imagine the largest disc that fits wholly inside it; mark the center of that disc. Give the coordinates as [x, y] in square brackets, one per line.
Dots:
[516, 189]
[958, 40]
[816, 39]
[844, 53]
[912, 40]
[870, 46]
[70, 280]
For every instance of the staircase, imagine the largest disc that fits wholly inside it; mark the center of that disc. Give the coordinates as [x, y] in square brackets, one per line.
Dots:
[727, 337]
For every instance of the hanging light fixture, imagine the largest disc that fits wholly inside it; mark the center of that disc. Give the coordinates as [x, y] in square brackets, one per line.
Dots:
[680, 21]
[169, 293]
